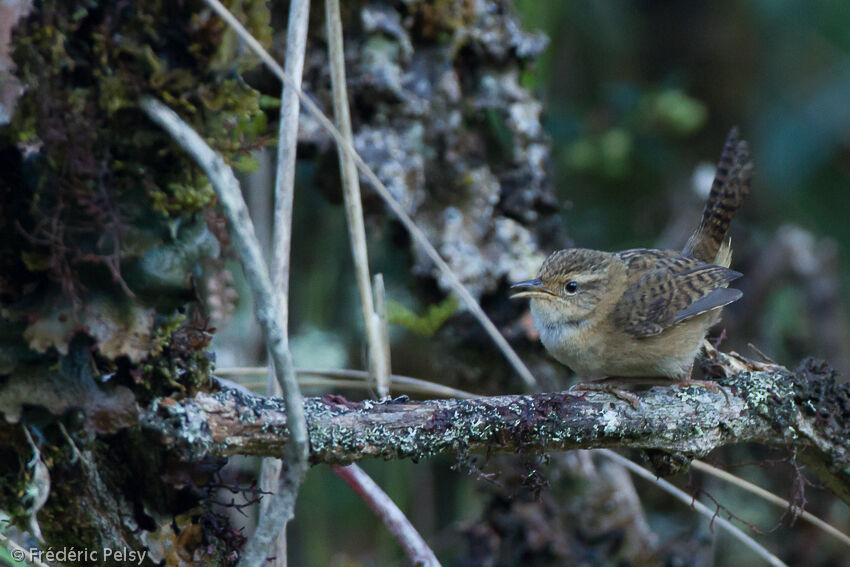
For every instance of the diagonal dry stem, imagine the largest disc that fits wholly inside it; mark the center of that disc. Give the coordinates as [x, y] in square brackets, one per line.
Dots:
[769, 497]
[393, 518]
[688, 500]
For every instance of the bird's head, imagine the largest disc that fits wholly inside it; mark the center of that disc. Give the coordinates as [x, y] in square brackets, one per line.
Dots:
[569, 286]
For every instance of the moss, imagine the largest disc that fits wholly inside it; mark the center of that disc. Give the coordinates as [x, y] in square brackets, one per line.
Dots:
[165, 330]
[179, 361]
[441, 18]
[93, 160]
[95, 188]
[13, 489]
[60, 521]
[100, 208]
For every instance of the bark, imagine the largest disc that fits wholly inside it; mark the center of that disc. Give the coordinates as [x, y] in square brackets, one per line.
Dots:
[804, 410]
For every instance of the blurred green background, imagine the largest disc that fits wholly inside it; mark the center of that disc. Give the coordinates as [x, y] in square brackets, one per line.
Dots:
[638, 96]
[638, 93]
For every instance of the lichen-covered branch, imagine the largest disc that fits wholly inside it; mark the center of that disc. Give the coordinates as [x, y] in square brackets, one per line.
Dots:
[804, 410]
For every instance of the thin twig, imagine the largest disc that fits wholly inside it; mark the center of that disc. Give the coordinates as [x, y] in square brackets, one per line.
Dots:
[416, 233]
[351, 190]
[686, 498]
[355, 384]
[248, 250]
[770, 497]
[74, 450]
[296, 42]
[287, 143]
[393, 518]
[354, 379]
[382, 379]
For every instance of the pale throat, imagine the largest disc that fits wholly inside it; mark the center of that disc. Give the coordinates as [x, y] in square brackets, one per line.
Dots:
[556, 330]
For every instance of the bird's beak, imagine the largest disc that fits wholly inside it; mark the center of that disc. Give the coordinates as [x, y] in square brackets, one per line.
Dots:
[530, 288]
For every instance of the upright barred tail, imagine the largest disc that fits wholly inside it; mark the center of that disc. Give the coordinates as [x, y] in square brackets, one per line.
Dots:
[731, 185]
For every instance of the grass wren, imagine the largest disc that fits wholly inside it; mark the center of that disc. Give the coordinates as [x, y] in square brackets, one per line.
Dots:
[642, 313]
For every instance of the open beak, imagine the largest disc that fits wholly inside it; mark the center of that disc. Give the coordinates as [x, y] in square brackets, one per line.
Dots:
[530, 288]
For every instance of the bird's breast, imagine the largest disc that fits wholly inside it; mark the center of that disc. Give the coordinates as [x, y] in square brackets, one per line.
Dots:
[595, 348]
[574, 344]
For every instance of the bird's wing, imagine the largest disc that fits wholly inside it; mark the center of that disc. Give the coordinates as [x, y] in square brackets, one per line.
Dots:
[673, 290]
[644, 258]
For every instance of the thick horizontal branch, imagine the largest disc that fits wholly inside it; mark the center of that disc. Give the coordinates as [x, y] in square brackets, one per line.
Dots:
[804, 410]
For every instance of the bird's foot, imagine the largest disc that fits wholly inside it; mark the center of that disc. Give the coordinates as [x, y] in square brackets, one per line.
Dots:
[611, 389]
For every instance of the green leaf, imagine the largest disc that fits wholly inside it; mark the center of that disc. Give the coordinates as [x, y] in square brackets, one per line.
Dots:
[424, 325]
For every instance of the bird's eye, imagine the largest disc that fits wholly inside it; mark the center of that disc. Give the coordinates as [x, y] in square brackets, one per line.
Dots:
[571, 288]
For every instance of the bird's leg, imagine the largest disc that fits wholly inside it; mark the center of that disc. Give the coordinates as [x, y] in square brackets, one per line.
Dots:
[607, 385]
[612, 385]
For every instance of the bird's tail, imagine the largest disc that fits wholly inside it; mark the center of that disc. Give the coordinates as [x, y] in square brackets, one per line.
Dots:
[731, 185]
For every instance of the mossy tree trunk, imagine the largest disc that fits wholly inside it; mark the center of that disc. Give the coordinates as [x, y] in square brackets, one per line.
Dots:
[109, 234]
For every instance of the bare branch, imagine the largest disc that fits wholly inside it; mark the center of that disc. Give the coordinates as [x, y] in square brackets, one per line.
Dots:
[296, 42]
[248, 249]
[266, 310]
[770, 497]
[393, 518]
[357, 379]
[769, 407]
[686, 498]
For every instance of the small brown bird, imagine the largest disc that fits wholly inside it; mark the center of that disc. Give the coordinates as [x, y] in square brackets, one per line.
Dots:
[642, 313]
